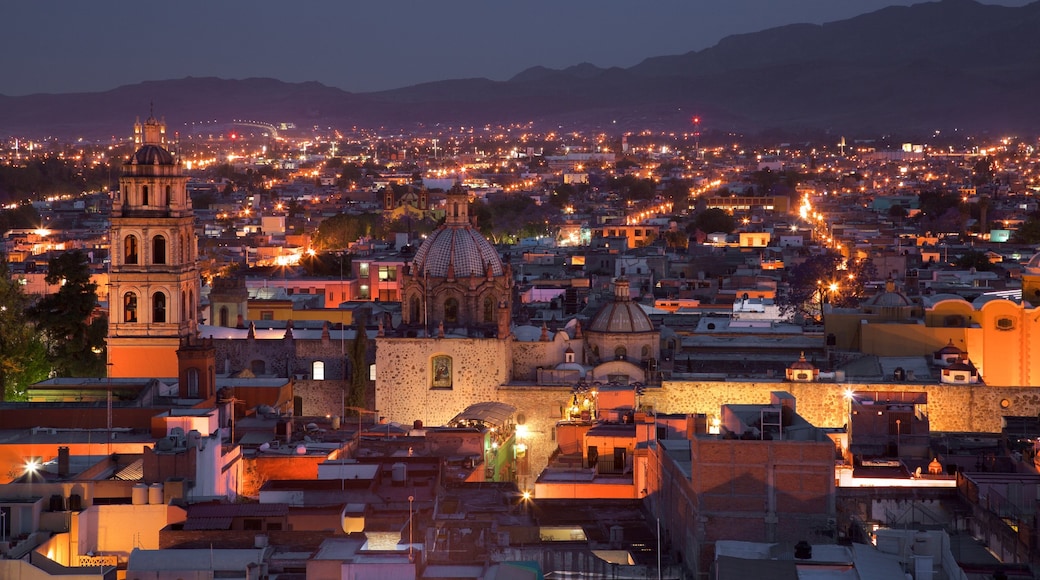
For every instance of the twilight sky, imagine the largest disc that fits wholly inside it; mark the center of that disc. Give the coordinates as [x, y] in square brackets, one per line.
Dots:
[53, 46]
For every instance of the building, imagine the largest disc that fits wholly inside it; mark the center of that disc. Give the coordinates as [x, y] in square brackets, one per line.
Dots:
[153, 274]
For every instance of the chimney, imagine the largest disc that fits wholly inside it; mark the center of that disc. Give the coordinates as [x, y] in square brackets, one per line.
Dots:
[63, 462]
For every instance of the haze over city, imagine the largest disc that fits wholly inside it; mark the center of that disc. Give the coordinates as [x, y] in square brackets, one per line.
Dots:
[368, 46]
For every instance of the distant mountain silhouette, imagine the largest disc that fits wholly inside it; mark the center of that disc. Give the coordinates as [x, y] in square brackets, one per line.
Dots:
[953, 64]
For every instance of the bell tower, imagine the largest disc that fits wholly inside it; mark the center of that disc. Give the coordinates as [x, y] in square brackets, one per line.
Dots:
[153, 272]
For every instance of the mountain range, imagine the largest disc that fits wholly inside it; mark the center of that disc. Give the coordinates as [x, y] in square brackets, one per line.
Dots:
[947, 65]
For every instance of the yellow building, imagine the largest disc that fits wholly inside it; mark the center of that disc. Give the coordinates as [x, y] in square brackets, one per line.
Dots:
[999, 335]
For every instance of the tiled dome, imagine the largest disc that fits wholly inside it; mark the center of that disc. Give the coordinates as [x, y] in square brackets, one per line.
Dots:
[152, 155]
[456, 246]
[622, 315]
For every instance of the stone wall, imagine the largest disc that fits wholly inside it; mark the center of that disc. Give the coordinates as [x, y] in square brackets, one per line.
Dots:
[404, 377]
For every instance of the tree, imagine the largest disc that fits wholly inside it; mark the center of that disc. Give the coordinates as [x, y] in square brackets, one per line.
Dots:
[825, 278]
[713, 220]
[974, 259]
[23, 354]
[1029, 231]
[343, 229]
[75, 338]
[358, 361]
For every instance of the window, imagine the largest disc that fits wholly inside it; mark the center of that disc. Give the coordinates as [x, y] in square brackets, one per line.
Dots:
[364, 292]
[387, 273]
[489, 310]
[130, 250]
[387, 296]
[620, 353]
[451, 310]
[193, 382]
[158, 307]
[363, 270]
[1005, 323]
[158, 250]
[129, 307]
[413, 310]
[169, 198]
[646, 351]
[318, 370]
[372, 372]
[144, 195]
[267, 315]
[223, 316]
[441, 371]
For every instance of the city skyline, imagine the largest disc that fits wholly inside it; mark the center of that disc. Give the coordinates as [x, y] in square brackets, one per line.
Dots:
[84, 49]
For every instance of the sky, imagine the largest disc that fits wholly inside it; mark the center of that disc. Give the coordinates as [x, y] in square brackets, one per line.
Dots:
[65, 46]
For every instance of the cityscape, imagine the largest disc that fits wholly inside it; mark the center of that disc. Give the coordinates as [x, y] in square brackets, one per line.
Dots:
[562, 346]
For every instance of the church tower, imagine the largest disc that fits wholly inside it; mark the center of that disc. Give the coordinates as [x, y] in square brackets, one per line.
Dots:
[153, 273]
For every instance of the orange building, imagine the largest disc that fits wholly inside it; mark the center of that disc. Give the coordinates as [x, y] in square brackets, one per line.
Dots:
[153, 273]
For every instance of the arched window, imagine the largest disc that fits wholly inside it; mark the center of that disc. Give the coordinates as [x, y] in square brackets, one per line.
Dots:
[184, 307]
[169, 198]
[451, 311]
[129, 307]
[158, 250]
[456, 209]
[158, 307]
[318, 370]
[489, 310]
[130, 250]
[191, 306]
[413, 310]
[646, 351]
[193, 382]
[620, 353]
[223, 316]
[257, 367]
[144, 195]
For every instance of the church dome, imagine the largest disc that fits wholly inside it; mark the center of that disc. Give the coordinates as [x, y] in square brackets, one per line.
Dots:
[456, 248]
[152, 155]
[622, 315]
[1033, 265]
[891, 299]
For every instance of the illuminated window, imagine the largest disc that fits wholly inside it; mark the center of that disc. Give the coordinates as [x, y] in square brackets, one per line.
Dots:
[318, 370]
[364, 293]
[387, 273]
[363, 270]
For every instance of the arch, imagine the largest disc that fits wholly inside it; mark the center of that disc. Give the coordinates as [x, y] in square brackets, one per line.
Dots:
[193, 382]
[451, 310]
[318, 370]
[620, 353]
[159, 307]
[144, 195]
[129, 307]
[223, 316]
[159, 249]
[191, 306]
[184, 307]
[130, 249]
[489, 309]
[646, 351]
[169, 198]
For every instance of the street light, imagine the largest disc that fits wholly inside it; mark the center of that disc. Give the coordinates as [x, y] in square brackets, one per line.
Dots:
[411, 558]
